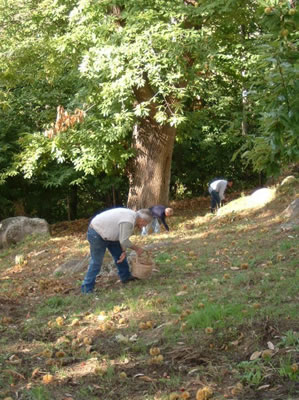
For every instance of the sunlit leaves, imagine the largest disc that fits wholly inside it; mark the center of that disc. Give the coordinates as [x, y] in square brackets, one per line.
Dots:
[275, 91]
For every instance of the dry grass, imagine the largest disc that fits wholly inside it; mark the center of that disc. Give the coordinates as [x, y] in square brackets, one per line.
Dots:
[224, 288]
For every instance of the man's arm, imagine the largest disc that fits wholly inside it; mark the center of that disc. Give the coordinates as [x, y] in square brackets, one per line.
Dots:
[163, 220]
[221, 189]
[126, 229]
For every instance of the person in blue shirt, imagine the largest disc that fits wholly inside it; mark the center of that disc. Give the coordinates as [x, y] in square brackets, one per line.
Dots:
[159, 214]
[217, 188]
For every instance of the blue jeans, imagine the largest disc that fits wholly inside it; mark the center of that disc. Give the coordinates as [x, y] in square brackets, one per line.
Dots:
[154, 224]
[98, 248]
[215, 200]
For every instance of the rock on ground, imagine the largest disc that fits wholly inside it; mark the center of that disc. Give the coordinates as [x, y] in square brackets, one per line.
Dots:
[291, 213]
[15, 229]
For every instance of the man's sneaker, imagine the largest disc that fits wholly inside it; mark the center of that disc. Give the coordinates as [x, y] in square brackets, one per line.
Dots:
[131, 278]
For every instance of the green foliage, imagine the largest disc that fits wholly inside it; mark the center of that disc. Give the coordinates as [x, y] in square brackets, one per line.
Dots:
[252, 372]
[288, 369]
[211, 153]
[53, 305]
[291, 339]
[225, 74]
[37, 393]
[214, 315]
[274, 90]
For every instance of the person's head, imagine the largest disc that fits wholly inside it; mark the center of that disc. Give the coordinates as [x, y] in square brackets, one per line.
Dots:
[144, 217]
[230, 182]
[168, 212]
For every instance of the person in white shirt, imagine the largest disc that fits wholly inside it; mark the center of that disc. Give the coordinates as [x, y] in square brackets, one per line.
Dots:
[111, 230]
[217, 188]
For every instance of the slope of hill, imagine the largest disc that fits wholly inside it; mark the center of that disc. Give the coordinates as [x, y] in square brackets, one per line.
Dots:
[218, 318]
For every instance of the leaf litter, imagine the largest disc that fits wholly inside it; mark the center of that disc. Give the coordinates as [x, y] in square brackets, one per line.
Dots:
[60, 346]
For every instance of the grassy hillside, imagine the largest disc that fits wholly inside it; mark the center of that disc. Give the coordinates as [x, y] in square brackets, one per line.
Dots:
[218, 318]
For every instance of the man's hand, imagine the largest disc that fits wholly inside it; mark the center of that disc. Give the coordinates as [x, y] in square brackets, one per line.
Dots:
[122, 257]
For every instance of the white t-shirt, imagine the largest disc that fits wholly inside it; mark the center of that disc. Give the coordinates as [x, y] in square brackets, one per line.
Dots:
[107, 223]
[219, 186]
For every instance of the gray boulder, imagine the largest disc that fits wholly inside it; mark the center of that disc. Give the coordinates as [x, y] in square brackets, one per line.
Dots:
[15, 229]
[76, 265]
[291, 214]
[292, 211]
[73, 266]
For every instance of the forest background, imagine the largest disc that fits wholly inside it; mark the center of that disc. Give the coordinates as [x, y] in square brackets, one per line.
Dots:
[138, 102]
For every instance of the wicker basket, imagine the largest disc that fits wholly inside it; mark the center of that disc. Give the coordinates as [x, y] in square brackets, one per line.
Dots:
[142, 267]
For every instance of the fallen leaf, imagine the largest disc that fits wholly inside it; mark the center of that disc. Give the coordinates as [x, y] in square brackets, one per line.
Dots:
[154, 351]
[149, 324]
[294, 367]
[270, 345]
[87, 340]
[146, 378]
[123, 375]
[60, 354]
[263, 387]
[204, 393]
[75, 322]
[6, 320]
[182, 293]
[156, 360]
[237, 389]
[48, 378]
[35, 373]
[244, 266]
[142, 325]
[255, 355]
[59, 321]
[133, 338]
[174, 396]
[62, 340]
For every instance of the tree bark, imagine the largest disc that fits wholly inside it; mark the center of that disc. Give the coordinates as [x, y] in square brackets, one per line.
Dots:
[149, 172]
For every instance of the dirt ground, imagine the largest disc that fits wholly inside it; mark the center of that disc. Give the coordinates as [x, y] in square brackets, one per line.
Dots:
[26, 340]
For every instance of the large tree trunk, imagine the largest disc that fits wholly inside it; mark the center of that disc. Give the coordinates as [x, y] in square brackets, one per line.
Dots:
[149, 172]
